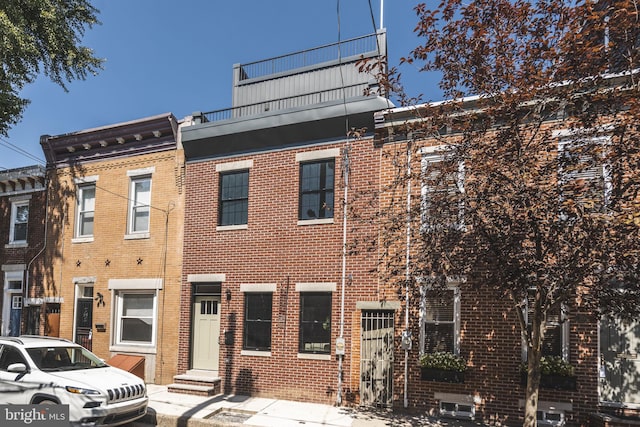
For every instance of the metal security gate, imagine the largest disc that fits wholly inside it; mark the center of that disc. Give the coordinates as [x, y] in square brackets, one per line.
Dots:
[376, 358]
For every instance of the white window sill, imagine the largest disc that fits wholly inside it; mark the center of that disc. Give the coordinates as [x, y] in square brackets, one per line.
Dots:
[137, 236]
[315, 221]
[82, 239]
[255, 353]
[232, 227]
[143, 348]
[312, 356]
[16, 245]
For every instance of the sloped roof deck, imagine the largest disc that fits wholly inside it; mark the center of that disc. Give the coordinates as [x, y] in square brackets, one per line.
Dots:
[305, 96]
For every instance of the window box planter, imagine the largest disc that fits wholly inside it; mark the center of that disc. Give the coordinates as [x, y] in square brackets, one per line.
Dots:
[441, 375]
[552, 381]
[442, 367]
[557, 374]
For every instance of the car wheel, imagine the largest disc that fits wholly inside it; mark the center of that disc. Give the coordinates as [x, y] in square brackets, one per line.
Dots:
[47, 402]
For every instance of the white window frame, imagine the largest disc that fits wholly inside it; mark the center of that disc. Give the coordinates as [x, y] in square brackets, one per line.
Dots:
[436, 154]
[14, 220]
[82, 187]
[311, 157]
[456, 316]
[118, 307]
[603, 171]
[134, 205]
[564, 331]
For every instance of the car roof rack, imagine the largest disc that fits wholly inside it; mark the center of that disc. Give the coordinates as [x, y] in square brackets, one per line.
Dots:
[47, 338]
[14, 339]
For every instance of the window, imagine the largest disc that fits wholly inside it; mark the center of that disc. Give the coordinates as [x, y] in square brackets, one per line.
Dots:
[316, 189]
[136, 317]
[9, 356]
[585, 179]
[234, 198]
[257, 321]
[440, 327]
[85, 210]
[555, 332]
[442, 192]
[19, 220]
[139, 205]
[315, 322]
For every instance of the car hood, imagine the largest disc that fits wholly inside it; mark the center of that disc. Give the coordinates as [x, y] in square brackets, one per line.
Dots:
[96, 378]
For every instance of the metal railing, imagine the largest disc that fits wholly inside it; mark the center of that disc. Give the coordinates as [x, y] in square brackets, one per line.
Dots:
[296, 101]
[309, 57]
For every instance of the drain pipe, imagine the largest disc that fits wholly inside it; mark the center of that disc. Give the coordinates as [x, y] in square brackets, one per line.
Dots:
[407, 337]
[340, 343]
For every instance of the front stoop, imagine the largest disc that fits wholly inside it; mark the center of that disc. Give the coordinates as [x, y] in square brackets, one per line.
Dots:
[195, 382]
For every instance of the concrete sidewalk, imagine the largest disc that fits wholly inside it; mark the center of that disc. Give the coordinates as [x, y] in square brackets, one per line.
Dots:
[168, 409]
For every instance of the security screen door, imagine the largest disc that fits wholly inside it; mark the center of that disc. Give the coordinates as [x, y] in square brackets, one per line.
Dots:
[376, 358]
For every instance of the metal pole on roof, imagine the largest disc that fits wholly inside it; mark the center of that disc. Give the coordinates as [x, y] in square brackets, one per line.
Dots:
[381, 14]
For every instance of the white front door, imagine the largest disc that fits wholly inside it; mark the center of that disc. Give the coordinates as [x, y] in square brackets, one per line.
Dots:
[206, 333]
[619, 361]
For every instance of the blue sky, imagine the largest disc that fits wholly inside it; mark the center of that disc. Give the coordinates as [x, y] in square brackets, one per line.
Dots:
[177, 56]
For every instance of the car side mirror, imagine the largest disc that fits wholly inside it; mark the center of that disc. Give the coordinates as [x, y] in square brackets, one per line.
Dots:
[17, 367]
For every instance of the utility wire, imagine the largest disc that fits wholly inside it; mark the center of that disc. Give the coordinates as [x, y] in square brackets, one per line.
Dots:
[19, 150]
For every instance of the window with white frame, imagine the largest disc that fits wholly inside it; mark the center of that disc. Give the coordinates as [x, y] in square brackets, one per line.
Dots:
[139, 204]
[442, 203]
[234, 198]
[555, 342]
[19, 221]
[135, 317]
[584, 176]
[441, 319]
[85, 209]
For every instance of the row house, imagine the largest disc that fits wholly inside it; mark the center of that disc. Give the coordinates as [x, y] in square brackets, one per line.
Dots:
[466, 319]
[22, 229]
[274, 300]
[114, 241]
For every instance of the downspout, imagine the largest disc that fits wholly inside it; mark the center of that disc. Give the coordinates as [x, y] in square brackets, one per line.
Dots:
[407, 277]
[344, 269]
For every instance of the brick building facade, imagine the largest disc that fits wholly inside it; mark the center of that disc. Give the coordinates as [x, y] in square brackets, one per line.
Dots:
[115, 239]
[22, 228]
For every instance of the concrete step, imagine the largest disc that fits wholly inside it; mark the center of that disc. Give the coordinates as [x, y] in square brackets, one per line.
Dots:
[194, 389]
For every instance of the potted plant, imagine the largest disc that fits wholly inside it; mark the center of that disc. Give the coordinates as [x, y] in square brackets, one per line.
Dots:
[443, 367]
[555, 373]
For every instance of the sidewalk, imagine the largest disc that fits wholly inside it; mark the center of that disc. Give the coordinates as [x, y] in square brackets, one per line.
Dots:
[181, 410]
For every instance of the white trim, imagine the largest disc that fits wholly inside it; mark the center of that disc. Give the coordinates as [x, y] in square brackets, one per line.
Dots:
[312, 356]
[316, 287]
[255, 353]
[82, 239]
[258, 287]
[318, 155]
[14, 267]
[134, 204]
[231, 166]
[378, 305]
[140, 172]
[193, 278]
[83, 280]
[86, 180]
[135, 236]
[232, 227]
[133, 284]
[117, 297]
[315, 221]
[435, 149]
[14, 216]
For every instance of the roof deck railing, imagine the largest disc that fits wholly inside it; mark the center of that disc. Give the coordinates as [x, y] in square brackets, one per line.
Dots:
[310, 57]
[302, 100]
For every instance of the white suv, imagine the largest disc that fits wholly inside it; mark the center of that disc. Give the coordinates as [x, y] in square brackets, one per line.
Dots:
[46, 370]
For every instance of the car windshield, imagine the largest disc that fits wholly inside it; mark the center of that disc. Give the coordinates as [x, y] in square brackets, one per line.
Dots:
[64, 358]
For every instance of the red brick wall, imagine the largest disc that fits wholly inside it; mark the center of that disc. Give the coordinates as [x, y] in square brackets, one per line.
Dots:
[490, 341]
[275, 249]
